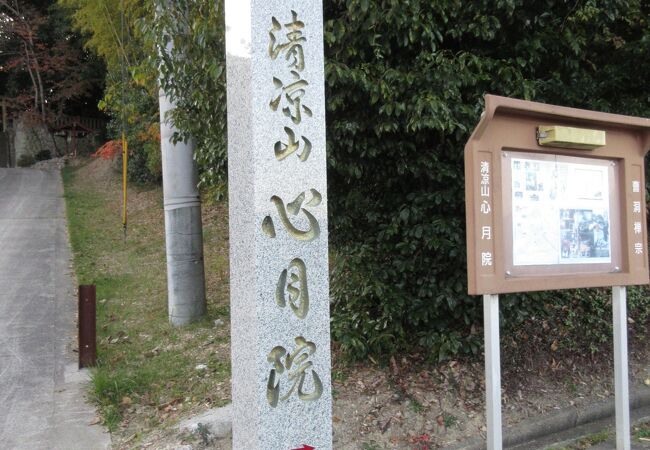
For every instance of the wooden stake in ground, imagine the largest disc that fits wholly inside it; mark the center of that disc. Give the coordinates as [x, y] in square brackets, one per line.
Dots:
[278, 225]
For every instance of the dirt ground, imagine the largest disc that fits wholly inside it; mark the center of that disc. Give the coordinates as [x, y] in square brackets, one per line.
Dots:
[409, 405]
[437, 407]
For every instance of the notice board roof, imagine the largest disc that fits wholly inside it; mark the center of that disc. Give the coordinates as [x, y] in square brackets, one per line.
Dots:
[495, 104]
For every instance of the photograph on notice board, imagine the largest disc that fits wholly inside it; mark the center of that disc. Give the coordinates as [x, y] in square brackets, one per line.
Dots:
[585, 234]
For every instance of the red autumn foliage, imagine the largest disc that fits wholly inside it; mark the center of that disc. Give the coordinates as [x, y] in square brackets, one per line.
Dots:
[109, 150]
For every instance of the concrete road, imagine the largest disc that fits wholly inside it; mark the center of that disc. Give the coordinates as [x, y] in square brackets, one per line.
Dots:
[42, 393]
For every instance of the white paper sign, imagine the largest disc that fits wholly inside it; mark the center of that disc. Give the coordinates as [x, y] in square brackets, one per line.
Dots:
[560, 213]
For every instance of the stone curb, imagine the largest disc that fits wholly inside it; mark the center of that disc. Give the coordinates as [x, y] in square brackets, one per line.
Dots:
[559, 421]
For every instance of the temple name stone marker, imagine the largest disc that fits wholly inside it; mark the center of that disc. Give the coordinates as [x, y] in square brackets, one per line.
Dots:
[279, 287]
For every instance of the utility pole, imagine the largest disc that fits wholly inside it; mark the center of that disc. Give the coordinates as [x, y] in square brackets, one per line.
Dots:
[183, 227]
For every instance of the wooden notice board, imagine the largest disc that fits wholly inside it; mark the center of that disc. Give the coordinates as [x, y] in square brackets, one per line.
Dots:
[555, 198]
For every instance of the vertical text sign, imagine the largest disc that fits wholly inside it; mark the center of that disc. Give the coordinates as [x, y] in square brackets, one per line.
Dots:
[484, 214]
[278, 225]
[637, 205]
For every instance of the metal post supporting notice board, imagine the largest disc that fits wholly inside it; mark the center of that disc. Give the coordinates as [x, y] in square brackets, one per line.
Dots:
[492, 371]
[87, 331]
[619, 313]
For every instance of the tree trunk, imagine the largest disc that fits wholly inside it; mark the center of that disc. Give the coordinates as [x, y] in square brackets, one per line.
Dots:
[38, 76]
[31, 75]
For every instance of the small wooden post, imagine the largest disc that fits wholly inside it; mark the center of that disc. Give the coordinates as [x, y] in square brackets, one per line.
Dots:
[87, 326]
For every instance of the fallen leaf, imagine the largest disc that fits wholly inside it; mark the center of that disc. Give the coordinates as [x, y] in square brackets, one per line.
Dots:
[167, 406]
[554, 346]
[95, 421]
[385, 426]
[126, 401]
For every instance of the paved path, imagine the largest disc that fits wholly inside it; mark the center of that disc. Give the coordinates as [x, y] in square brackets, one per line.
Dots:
[41, 391]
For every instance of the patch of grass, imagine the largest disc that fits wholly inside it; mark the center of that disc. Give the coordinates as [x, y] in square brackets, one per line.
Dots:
[108, 390]
[571, 386]
[586, 442]
[416, 406]
[597, 438]
[642, 431]
[449, 419]
[204, 432]
[372, 445]
[339, 376]
[146, 371]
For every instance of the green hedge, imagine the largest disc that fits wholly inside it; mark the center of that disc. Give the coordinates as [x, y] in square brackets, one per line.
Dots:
[405, 82]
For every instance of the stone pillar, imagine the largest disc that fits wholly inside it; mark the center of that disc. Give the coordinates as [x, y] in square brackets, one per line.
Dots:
[279, 287]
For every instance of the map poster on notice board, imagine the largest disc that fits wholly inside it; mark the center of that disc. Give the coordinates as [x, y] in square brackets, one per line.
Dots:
[560, 211]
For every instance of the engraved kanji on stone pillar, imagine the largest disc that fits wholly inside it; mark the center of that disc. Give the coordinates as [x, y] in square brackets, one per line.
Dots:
[278, 225]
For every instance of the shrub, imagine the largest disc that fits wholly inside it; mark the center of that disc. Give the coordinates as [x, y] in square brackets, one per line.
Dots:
[404, 83]
[26, 160]
[43, 155]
